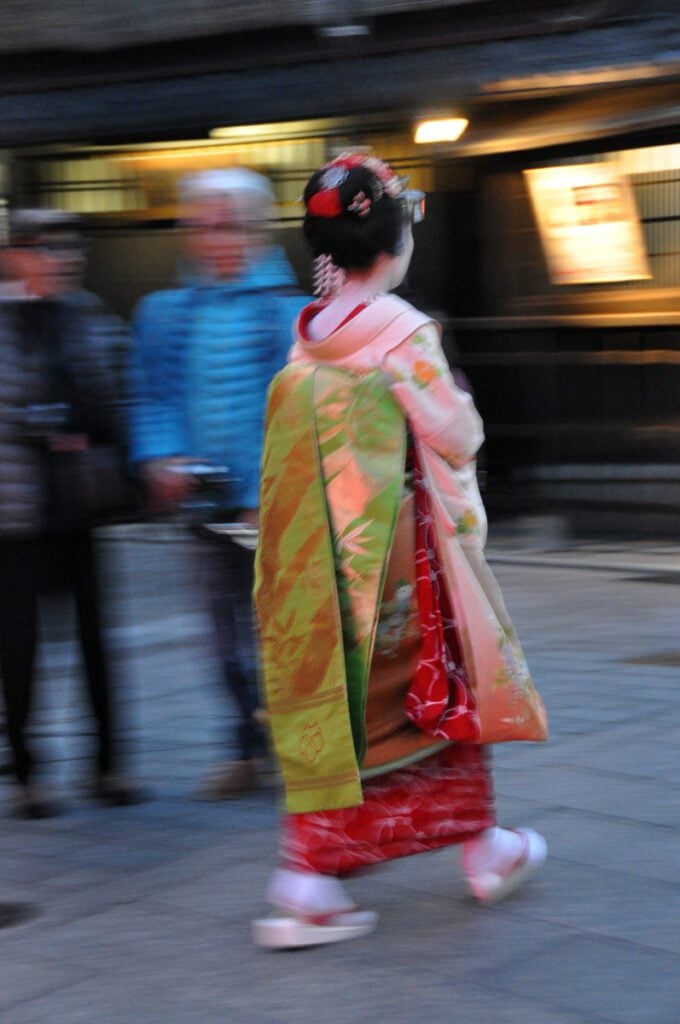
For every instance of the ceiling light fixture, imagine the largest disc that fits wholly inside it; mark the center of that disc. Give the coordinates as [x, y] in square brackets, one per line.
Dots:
[440, 129]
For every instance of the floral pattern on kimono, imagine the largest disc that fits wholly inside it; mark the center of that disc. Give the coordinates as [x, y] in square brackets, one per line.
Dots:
[444, 799]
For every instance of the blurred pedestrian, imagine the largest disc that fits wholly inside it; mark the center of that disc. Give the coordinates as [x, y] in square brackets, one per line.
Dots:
[388, 656]
[203, 359]
[61, 453]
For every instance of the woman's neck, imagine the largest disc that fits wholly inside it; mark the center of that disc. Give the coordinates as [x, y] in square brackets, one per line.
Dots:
[359, 288]
[371, 282]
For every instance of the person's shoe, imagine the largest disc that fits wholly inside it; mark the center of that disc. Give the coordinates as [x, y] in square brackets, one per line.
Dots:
[229, 781]
[115, 791]
[310, 910]
[297, 932]
[492, 882]
[12, 914]
[31, 802]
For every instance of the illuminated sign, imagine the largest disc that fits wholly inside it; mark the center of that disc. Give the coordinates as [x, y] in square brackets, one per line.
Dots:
[588, 223]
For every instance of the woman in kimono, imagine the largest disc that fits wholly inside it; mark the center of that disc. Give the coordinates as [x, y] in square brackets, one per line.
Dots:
[388, 657]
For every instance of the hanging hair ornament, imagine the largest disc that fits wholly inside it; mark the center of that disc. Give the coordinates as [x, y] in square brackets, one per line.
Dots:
[328, 278]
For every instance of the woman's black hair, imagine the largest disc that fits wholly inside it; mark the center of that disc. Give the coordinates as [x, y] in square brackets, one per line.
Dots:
[351, 239]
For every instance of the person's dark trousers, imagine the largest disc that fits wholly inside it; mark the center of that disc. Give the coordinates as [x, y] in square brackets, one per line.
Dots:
[73, 557]
[19, 588]
[229, 571]
[27, 567]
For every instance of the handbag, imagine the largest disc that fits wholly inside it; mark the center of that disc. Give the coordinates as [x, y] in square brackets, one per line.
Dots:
[90, 487]
[87, 481]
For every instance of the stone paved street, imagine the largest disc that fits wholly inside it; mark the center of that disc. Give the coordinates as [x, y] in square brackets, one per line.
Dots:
[141, 915]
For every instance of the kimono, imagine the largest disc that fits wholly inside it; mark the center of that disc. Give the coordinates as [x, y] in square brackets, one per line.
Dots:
[388, 657]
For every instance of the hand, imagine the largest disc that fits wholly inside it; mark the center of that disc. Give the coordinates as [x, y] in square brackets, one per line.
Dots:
[165, 485]
[250, 516]
[68, 442]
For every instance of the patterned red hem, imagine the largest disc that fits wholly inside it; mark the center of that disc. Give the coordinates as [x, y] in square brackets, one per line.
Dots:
[441, 800]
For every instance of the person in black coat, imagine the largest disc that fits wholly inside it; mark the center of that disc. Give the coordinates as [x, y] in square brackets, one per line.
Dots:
[61, 423]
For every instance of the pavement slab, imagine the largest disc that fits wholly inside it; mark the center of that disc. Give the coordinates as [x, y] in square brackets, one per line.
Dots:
[617, 981]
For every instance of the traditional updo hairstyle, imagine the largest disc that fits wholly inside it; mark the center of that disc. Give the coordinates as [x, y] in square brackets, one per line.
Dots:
[353, 212]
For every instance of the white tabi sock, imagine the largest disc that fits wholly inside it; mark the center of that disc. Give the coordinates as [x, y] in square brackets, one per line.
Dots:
[303, 892]
[494, 849]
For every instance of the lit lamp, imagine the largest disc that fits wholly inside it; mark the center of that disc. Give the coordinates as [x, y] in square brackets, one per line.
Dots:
[440, 129]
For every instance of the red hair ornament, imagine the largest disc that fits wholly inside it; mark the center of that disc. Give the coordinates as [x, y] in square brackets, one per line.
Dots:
[325, 204]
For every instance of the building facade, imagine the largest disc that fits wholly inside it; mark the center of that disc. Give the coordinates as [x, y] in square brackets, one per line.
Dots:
[564, 302]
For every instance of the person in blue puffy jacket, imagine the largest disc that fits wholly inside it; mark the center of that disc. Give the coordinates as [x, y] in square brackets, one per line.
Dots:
[203, 357]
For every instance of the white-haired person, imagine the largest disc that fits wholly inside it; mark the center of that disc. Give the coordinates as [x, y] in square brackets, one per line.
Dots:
[203, 357]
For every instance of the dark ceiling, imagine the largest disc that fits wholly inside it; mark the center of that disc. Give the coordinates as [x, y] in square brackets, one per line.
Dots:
[179, 80]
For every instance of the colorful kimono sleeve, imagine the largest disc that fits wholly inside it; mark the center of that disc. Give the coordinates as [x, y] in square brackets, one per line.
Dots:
[439, 413]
